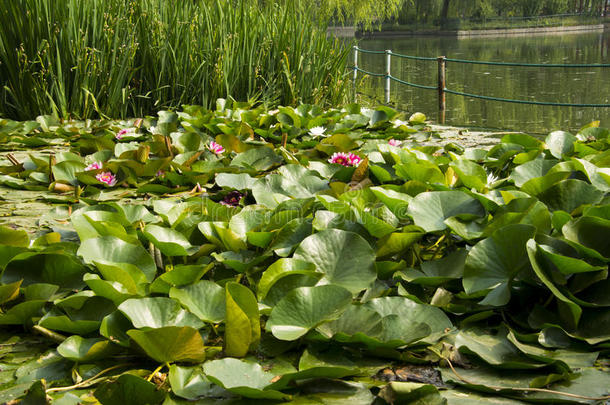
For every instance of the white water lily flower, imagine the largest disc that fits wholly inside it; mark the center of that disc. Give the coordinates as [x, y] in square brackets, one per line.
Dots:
[317, 131]
[491, 178]
[399, 123]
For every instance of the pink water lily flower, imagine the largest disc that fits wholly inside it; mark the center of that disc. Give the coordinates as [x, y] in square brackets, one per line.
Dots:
[94, 166]
[216, 148]
[340, 158]
[106, 177]
[354, 159]
[394, 142]
[345, 159]
[125, 131]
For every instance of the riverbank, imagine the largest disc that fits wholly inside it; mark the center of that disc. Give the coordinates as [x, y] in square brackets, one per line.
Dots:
[469, 29]
[560, 30]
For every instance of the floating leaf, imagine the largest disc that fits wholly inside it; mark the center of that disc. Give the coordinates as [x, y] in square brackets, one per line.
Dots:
[157, 312]
[345, 258]
[430, 210]
[79, 349]
[282, 268]
[495, 261]
[242, 325]
[304, 308]
[170, 344]
[205, 299]
[243, 378]
[114, 256]
[126, 388]
[169, 241]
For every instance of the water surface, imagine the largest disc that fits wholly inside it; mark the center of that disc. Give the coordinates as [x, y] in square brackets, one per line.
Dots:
[565, 85]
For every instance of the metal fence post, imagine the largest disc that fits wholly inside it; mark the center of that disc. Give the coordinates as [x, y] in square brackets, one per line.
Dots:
[388, 81]
[355, 72]
[441, 88]
[355, 63]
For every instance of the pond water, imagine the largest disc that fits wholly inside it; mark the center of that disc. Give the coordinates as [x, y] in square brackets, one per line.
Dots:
[564, 85]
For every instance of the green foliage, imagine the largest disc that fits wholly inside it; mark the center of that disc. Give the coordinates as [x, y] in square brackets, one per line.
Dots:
[127, 58]
[262, 269]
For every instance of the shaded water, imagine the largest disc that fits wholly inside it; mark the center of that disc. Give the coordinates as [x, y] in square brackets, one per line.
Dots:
[566, 85]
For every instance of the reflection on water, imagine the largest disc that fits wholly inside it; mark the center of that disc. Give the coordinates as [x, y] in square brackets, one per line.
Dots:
[569, 85]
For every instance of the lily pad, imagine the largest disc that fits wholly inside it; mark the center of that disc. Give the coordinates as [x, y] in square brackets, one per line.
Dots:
[304, 308]
[430, 210]
[242, 325]
[170, 344]
[494, 262]
[243, 378]
[345, 258]
[205, 299]
[126, 388]
[158, 312]
[169, 241]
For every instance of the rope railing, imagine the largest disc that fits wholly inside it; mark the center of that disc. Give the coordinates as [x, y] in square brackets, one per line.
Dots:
[369, 73]
[508, 100]
[441, 86]
[419, 86]
[544, 65]
[411, 57]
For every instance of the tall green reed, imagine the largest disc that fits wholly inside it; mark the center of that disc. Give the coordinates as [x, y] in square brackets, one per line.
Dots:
[120, 58]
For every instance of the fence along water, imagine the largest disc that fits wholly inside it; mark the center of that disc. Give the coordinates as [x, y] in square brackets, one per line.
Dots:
[442, 72]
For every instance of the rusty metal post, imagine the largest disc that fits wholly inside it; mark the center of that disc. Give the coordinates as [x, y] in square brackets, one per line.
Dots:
[441, 88]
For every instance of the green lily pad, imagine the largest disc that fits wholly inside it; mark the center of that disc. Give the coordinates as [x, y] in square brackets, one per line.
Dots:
[126, 388]
[13, 237]
[495, 350]
[430, 210]
[205, 299]
[113, 290]
[282, 268]
[404, 317]
[471, 174]
[345, 258]
[9, 291]
[587, 231]
[32, 267]
[22, 313]
[568, 195]
[169, 241]
[304, 308]
[411, 393]
[293, 181]
[190, 383]
[117, 256]
[241, 181]
[242, 325]
[259, 159]
[560, 143]
[494, 262]
[531, 170]
[158, 312]
[170, 344]
[243, 378]
[79, 349]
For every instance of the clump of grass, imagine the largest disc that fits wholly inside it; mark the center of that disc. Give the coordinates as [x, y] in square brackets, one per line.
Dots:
[120, 58]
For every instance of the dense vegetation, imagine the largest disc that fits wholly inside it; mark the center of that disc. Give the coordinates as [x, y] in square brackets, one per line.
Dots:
[125, 58]
[442, 11]
[306, 256]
